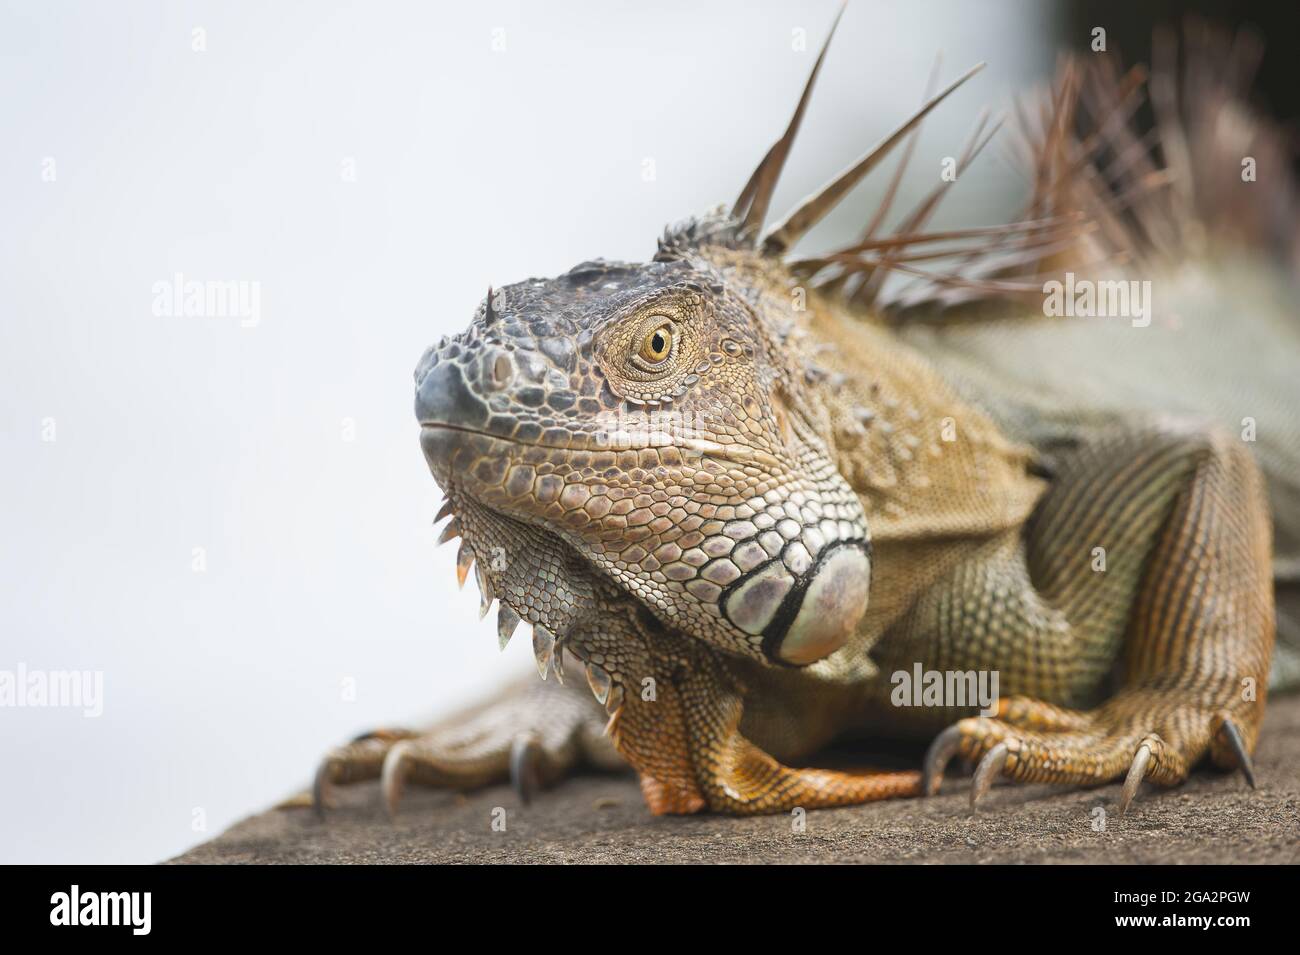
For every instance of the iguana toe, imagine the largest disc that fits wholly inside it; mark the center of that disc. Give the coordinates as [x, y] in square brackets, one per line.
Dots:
[531, 737]
[526, 756]
[362, 758]
[944, 747]
[1141, 735]
[993, 763]
[1136, 773]
[1236, 743]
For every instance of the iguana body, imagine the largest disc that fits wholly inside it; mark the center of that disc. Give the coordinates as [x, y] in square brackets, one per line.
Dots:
[741, 492]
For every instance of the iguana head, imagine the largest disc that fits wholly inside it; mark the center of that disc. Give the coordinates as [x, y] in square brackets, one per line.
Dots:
[649, 428]
[651, 424]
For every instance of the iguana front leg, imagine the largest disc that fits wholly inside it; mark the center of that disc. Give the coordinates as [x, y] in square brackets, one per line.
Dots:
[677, 721]
[1199, 628]
[719, 769]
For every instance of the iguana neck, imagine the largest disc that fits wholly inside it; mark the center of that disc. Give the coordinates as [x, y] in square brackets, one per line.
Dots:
[924, 462]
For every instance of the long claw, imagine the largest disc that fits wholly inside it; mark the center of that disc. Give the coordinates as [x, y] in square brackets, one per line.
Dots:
[525, 767]
[444, 511]
[1136, 773]
[990, 766]
[1239, 748]
[941, 751]
[393, 776]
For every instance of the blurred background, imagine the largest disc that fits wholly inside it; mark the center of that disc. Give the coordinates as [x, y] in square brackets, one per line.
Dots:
[230, 520]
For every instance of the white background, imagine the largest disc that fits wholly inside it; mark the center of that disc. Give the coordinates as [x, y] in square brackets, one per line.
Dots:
[472, 167]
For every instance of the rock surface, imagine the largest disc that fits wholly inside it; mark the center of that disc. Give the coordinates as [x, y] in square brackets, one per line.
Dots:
[1215, 818]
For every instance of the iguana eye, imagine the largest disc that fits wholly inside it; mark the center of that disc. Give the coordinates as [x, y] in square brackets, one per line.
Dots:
[657, 345]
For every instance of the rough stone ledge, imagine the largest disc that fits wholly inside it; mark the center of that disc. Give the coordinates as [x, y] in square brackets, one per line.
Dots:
[1215, 818]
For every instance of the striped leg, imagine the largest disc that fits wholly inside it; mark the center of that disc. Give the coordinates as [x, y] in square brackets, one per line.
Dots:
[1198, 637]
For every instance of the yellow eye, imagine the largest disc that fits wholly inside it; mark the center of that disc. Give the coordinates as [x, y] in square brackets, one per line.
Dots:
[657, 345]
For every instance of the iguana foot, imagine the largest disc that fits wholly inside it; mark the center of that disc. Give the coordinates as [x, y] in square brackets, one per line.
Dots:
[533, 736]
[1140, 734]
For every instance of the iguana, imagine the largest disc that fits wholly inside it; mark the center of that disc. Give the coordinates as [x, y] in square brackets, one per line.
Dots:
[740, 489]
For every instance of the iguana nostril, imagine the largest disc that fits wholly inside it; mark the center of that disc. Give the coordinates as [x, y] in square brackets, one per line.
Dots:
[503, 369]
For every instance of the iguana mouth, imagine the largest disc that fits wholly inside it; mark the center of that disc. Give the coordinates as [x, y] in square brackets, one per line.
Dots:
[733, 453]
[435, 426]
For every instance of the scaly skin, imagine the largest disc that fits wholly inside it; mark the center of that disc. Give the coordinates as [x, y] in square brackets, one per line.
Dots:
[741, 503]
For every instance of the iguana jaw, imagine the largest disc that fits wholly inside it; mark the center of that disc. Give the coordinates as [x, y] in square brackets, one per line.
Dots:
[796, 610]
